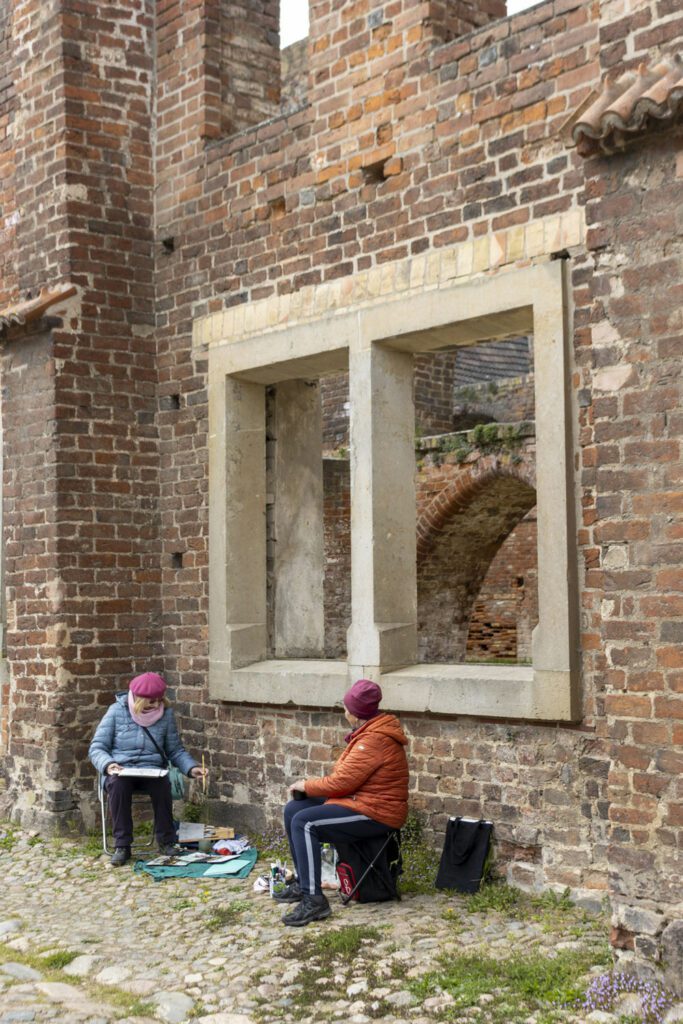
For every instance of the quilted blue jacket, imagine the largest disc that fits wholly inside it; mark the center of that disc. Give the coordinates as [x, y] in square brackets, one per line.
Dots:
[118, 740]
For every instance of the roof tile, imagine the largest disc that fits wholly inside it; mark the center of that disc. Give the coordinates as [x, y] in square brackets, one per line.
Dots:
[32, 309]
[628, 104]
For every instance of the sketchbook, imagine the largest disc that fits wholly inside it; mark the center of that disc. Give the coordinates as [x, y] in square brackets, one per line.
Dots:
[143, 773]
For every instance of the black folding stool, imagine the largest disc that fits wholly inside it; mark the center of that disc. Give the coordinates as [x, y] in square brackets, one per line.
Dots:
[370, 866]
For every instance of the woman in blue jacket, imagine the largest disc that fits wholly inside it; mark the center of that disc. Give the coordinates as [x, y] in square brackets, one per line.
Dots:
[139, 730]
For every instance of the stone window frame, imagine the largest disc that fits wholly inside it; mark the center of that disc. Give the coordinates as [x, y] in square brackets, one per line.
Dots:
[375, 339]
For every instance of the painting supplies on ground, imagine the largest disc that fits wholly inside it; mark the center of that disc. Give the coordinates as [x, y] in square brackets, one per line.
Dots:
[328, 873]
[237, 845]
[193, 831]
[278, 877]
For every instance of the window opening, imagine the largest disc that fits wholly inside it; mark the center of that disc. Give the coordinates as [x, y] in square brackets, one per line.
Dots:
[476, 503]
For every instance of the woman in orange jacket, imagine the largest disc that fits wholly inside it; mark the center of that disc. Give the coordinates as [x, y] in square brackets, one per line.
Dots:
[364, 796]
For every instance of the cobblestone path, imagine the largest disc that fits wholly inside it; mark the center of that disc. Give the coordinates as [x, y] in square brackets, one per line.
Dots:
[82, 942]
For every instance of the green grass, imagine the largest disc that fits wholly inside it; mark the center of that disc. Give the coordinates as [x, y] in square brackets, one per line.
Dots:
[328, 946]
[524, 985]
[225, 916]
[420, 858]
[57, 961]
[9, 838]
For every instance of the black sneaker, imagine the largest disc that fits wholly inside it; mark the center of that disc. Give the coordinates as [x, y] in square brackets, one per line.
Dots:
[170, 849]
[311, 908]
[290, 894]
[120, 855]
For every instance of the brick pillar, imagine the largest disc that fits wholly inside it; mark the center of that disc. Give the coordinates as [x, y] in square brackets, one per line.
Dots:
[80, 439]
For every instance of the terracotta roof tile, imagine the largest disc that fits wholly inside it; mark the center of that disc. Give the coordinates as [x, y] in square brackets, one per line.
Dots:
[32, 309]
[628, 104]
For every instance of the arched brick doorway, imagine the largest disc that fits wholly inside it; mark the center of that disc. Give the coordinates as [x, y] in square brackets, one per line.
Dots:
[459, 533]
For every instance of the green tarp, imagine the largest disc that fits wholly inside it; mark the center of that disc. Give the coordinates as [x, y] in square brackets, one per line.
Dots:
[237, 868]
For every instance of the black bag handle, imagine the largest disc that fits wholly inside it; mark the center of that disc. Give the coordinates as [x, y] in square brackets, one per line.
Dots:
[461, 857]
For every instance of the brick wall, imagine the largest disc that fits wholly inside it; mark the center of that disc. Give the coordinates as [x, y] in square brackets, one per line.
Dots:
[506, 608]
[84, 192]
[454, 143]
[629, 346]
[410, 144]
[294, 76]
[35, 721]
[8, 211]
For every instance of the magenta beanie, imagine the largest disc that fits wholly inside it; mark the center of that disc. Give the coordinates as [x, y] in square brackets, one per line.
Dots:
[149, 685]
[362, 700]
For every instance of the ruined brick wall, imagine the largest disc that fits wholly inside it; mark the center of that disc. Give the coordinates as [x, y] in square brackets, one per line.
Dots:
[294, 76]
[633, 519]
[8, 210]
[84, 177]
[502, 401]
[409, 145]
[445, 146]
[31, 721]
[506, 608]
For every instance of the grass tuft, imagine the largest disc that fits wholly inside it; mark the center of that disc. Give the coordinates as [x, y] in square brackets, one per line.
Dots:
[525, 985]
[57, 961]
[222, 917]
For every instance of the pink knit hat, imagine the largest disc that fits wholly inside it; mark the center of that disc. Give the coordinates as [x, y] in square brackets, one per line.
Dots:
[149, 685]
[362, 700]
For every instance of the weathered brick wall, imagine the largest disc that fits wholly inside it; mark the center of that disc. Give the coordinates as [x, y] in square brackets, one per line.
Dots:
[34, 726]
[472, 146]
[629, 344]
[506, 608]
[8, 208]
[84, 189]
[502, 401]
[294, 76]
[407, 146]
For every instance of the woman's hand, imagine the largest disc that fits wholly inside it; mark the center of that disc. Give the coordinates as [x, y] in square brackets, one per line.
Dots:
[198, 773]
[113, 768]
[299, 786]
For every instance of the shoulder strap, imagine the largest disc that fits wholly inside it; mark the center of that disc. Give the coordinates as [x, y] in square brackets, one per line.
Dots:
[163, 755]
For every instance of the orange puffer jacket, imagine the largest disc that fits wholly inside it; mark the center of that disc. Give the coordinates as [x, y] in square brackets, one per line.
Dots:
[371, 776]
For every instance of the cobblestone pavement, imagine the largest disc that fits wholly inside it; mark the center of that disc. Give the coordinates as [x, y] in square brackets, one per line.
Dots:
[82, 942]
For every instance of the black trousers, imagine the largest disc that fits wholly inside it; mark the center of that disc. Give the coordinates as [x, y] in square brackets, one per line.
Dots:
[120, 797]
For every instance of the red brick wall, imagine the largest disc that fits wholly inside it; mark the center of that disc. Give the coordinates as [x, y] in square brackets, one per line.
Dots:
[407, 146]
[84, 189]
[506, 608]
[35, 722]
[294, 67]
[7, 183]
[629, 344]
[285, 205]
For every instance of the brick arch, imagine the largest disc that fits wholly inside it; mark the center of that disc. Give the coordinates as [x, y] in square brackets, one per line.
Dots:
[459, 533]
[458, 493]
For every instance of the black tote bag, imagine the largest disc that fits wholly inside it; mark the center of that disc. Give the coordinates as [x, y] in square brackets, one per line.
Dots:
[464, 855]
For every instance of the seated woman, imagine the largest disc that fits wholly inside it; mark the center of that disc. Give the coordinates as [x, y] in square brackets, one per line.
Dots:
[365, 795]
[139, 731]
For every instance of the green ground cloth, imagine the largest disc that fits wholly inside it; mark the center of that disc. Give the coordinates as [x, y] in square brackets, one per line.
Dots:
[237, 868]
